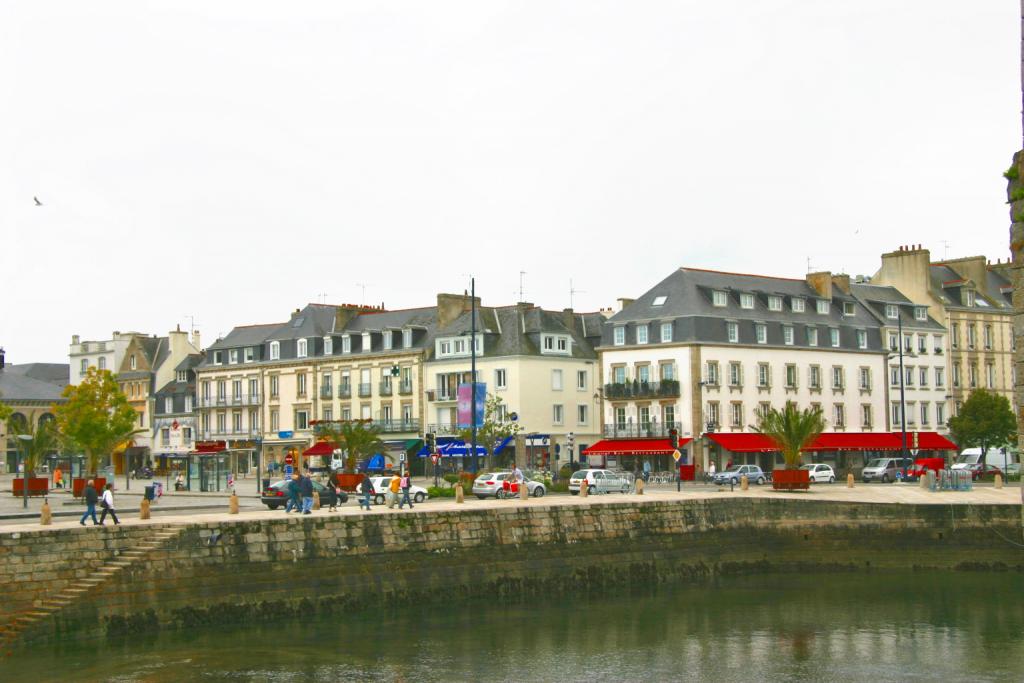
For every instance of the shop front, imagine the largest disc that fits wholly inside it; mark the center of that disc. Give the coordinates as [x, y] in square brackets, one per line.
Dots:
[637, 455]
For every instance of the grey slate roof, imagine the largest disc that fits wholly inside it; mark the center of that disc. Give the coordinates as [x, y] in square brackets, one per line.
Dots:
[245, 335]
[875, 298]
[689, 308]
[55, 373]
[17, 383]
[512, 331]
[315, 320]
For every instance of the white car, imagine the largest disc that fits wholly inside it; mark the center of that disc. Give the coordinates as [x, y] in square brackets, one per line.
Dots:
[381, 485]
[820, 473]
[600, 481]
[493, 485]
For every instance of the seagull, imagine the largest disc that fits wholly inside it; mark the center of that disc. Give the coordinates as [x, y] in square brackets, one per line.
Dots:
[36, 200]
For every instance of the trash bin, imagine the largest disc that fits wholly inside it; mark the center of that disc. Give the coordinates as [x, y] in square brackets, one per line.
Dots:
[150, 493]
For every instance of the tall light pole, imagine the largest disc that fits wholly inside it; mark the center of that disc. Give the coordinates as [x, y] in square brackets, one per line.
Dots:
[903, 403]
[472, 367]
[24, 438]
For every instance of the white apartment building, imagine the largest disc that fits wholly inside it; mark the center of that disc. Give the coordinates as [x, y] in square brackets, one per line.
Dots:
[104, 355]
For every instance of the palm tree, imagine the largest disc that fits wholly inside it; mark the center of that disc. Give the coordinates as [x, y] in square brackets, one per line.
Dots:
[45, 440]
[359, 438]
[791, 429]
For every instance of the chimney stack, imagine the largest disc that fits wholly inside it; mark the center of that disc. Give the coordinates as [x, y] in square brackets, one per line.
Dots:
[2, 361]
[821, 283]
[195, 340]
[75, 339]
[568, 319]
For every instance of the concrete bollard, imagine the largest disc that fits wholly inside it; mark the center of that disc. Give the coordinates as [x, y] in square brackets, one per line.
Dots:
[233, 504]
[584, 488]
[998, 480]
[744, 483]
[524, 491]
[639, 486]
[460, 497]
[316, 500]
[922, 481]
[45, 515]
[144, 509]
[849, 480]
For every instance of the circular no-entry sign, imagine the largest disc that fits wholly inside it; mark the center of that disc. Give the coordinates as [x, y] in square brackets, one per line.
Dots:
[289, 459]
[434, 458]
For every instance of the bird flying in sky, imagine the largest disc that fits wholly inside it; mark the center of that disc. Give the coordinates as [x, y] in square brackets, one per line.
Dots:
[36, 200]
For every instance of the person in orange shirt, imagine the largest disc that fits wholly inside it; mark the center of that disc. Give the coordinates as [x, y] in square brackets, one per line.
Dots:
[58, 478]
[394, 486]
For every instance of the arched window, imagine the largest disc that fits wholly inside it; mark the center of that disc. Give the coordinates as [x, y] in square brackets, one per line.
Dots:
[44, 418]
[18, 423]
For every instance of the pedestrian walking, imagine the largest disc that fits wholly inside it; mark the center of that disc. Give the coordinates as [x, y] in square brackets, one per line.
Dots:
[647, 471]
[58, 478]
[107, 503]
[306, 489]
[294, 499]
[405, 483]
[333, 493]
[366, 488]
[91, 497]
[394, 486]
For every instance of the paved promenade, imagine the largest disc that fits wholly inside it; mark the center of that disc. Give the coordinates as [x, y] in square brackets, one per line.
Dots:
[903, 494]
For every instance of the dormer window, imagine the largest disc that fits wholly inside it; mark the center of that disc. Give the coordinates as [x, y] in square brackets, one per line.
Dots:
[641, 334]
[328, 346]
[181, 376]
[823, 306]
[619, 336]
[218, 358]
[969, 297]
[774, 303]
[746, 300]
[892, 311]
[457, 346]
[659, 301]
[232, 356]
[387, 340]
[798, 304]
[719, 298]
[346, 344]
[275, 350]
[406, 338]
[849, 308]
[249, 355]
[920, 313]
[301, 348]
[367, 342]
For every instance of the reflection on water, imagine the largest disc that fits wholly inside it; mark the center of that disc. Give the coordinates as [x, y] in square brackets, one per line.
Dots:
[838, 627]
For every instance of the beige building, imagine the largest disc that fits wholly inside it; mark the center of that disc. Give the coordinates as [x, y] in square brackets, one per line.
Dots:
[971, 298]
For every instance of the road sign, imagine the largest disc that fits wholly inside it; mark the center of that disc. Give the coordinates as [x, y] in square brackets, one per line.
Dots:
[676, 455]
[914, 448]
[401, 457]
[434, 458]
[288, 470]
[289, 459]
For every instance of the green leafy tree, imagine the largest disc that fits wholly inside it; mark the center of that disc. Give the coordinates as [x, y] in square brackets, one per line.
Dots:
[358, 438]
[791, 429]
[985, 421]
[5, 412]
[96, 416]
[495, 428]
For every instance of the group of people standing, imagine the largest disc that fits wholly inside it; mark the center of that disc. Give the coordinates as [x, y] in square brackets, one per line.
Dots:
[106, 502]
[300, 495]
[395, 485]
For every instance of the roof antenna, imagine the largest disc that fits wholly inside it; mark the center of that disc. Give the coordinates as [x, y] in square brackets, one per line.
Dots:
[945, 249]
[191, 324]
[572, 292]
[362, 299]
[321, 298]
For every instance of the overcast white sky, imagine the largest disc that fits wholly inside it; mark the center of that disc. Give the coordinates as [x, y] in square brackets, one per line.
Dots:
[234, 160]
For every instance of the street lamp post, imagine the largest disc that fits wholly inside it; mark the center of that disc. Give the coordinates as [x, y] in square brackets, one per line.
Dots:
[472, 367]
[903, 404]
[25, 438]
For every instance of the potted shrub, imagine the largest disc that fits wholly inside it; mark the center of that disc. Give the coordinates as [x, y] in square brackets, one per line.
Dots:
[359, 439]
[791, 429]
[34, 444]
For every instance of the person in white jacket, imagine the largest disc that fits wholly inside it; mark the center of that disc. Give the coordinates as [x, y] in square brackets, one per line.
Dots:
[107, 503]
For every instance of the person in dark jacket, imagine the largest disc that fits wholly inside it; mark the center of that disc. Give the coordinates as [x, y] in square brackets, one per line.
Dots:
[306, 489]
[91, 498]
[333, 495]
[294, 500]
[366, 488]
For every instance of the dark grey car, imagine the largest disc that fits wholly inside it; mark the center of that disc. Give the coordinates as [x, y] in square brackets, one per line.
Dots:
[755, 475]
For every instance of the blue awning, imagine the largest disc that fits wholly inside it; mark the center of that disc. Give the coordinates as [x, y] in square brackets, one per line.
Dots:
[455, 448]
[441, 442]
[503, 443]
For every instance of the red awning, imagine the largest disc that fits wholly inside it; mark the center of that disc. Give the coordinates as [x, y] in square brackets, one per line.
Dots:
[319, 448]
[741, 442]
[752, 442]
[208, 447]
[633, 447]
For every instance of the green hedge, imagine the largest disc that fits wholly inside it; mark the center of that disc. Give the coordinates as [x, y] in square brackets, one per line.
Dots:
[441, 491]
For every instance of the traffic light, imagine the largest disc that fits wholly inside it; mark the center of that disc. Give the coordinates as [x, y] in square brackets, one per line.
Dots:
[431, 442]
[570, 440]
[673, 438]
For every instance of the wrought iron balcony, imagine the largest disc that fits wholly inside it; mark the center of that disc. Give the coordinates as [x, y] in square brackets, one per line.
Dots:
[344, 391]
[666, 388]
[443, 428]
[385, 389]
[365, 390]
[405, 387]
[640, 430]
[326, 392]
[397, 426]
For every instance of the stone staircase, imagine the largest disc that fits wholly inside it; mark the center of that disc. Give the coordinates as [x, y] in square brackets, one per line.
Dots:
[47, 608]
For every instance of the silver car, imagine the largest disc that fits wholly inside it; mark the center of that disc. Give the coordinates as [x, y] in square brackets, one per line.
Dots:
[492, 485]
[600, 481]
[884, 469]
[754, 474]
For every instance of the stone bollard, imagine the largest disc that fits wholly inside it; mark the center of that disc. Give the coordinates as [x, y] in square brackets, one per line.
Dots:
[922, 481]
[744, 483]
[316, 500]
[233, 504]
[998, 480]
[144, 509]
[584, 488]
[524, 491]
[639, 486]
[45, 516]
[849, 480]
[460, 497]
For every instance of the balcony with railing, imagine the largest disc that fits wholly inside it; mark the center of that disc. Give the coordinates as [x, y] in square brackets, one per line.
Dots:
[639, 430]
[227, 433]
[344, 391]
[326, 391]
[385, 389]
[365, 390]
[666, 388]
[405, 387]
[443, 428]
[398, 426]
[227, 401]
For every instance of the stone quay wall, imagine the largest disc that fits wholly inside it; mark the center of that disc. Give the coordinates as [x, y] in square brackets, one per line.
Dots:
[237, 570]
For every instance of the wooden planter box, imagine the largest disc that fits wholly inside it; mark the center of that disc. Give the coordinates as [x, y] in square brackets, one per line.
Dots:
[348, 482]
[791, 480]
[37, 486]
[78, 485]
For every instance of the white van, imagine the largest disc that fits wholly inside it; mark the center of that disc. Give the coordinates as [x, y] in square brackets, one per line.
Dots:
[994, 457]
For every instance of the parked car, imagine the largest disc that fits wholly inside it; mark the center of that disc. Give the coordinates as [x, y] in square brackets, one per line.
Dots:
[994, 457]
[276, 494]
[978, 471]
[755, 475]
[1013, 469]
[600, 481]
[382, 484]
[492, 485]
[820, 473]
[884, 469]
